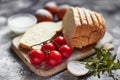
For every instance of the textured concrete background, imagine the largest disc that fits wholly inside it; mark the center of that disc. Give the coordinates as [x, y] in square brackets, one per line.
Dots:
[12, 68]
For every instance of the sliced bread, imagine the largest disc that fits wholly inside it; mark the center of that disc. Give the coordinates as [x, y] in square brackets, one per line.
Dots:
[91, 29]
[39, 33]
[70, 22]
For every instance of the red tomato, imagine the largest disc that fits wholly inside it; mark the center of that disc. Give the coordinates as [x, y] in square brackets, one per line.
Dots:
[54, 58]
[47, 47]
[66, 51]
[36, 57]
[59, 41]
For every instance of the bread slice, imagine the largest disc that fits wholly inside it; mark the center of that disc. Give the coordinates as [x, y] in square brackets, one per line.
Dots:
[79, 39]
[88, 32]
[71, 21]
[39, 33]
[88, 17]
[100, 20]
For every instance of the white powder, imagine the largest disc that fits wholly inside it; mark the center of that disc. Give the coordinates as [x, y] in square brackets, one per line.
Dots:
[19, 23]
[22, 21]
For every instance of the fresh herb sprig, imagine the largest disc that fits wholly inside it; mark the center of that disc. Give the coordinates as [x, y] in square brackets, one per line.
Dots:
[102, 62]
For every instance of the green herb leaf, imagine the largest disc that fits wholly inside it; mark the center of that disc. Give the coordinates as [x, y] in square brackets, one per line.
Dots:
[102, 62]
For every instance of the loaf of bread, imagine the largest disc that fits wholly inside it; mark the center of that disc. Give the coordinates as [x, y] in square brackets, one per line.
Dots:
[82, 27]
[39, 33]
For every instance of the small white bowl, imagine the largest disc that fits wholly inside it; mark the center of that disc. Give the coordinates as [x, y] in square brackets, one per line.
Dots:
[21, 22]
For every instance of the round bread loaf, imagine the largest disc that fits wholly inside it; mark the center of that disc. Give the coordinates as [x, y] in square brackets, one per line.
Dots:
[83, 27]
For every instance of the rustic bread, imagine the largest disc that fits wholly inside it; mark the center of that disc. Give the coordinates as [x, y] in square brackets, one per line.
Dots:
[88, 30]
[71, 21]
[39, 33]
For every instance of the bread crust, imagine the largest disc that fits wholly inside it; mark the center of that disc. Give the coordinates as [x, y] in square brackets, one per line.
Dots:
[80, 37]
[100, 20]
[88, 16]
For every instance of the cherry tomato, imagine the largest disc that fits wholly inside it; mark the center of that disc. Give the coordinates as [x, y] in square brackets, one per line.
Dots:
[66, 51]
[54, 58]
[36, 57]
[59, 41]
[47, 47]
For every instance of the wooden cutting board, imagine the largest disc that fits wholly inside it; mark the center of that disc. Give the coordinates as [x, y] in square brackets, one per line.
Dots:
[45, 70]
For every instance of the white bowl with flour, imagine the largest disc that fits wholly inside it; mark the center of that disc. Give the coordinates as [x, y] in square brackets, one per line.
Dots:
[21, 22]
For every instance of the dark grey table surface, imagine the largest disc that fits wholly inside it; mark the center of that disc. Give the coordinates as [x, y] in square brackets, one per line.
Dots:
[12, 68]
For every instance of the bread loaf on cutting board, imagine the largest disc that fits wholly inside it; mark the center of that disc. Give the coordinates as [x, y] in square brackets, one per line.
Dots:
[39, 33]
[82, 27]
